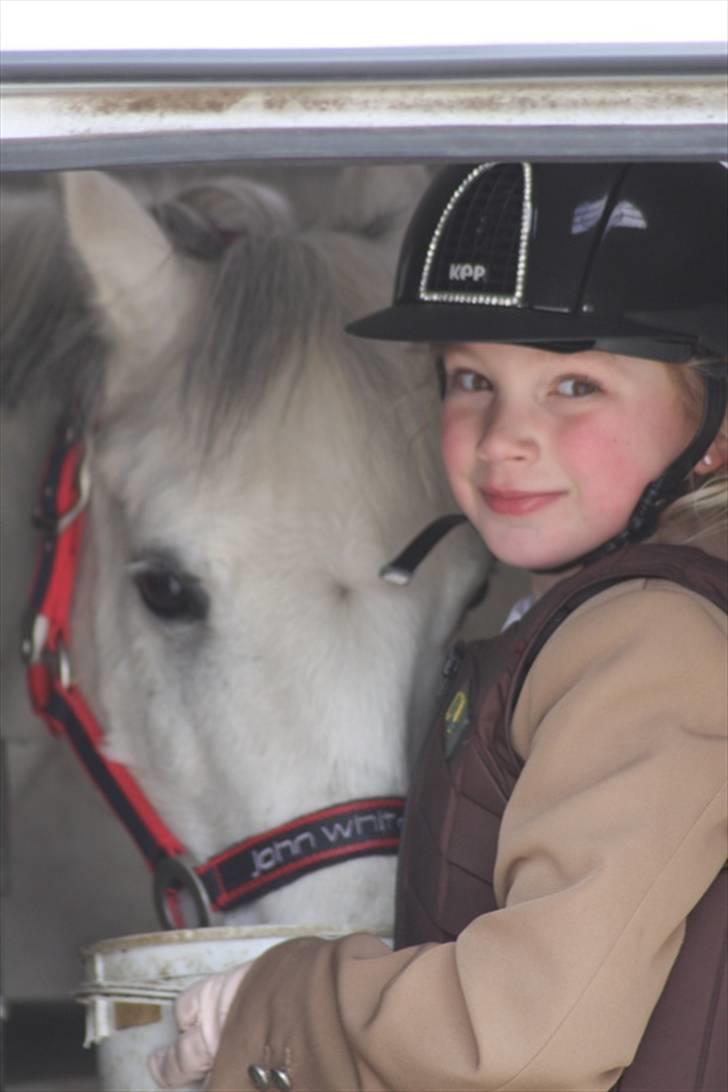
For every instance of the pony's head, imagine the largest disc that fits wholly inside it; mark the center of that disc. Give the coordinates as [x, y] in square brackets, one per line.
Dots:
[253, 467]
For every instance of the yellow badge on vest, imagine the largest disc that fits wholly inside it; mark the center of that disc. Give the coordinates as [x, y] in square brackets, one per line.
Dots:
[457, 721]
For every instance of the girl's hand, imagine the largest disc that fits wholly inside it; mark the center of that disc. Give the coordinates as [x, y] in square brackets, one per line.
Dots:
[200, 1011]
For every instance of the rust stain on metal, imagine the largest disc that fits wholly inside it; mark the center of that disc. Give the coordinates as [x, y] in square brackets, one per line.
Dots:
[182, 101]
[496, 96]
[492, 99]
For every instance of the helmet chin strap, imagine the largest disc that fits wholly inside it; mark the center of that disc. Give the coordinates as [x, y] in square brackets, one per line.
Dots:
[402, 568]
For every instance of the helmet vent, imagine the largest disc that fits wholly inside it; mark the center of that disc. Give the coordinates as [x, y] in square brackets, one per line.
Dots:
[478, 252]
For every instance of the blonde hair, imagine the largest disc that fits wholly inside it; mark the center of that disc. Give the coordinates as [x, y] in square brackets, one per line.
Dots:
[704, 507]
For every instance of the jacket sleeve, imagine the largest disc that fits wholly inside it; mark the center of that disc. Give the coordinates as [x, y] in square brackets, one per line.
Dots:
[615, 829]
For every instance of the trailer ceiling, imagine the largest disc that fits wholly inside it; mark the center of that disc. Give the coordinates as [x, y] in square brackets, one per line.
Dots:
[104, 109]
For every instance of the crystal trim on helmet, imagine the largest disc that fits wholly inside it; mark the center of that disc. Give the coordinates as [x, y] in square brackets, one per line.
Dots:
[515, 300]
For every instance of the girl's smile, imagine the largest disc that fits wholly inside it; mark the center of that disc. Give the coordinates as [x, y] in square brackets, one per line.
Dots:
[548, 453]
[510, 503]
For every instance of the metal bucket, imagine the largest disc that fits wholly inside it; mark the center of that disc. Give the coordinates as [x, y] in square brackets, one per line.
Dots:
[130, 985]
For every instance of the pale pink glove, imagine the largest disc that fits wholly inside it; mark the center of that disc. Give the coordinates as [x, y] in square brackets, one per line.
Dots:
[200, 1011]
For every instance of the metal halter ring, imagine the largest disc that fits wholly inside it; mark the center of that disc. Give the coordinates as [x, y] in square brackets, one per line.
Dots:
[60, 664]
[178, 873]
[34, 649]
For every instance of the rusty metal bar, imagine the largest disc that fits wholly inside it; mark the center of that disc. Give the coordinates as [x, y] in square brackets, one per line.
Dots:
[376, 105]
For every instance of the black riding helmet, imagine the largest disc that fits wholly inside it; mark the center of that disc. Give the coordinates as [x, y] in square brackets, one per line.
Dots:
[629, 258]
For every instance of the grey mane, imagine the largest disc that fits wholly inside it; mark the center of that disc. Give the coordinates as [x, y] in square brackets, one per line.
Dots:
[274, 291]
[50, 339]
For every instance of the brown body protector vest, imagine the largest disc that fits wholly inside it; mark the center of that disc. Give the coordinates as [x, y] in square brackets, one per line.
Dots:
[465, 776]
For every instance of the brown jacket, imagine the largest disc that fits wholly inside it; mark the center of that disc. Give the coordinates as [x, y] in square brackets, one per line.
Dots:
[465, 778]
[615, 829]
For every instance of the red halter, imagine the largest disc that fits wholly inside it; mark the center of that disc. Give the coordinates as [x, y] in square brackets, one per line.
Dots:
[244, 871]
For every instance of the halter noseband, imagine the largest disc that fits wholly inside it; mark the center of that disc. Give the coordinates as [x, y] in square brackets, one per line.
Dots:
[237, 875]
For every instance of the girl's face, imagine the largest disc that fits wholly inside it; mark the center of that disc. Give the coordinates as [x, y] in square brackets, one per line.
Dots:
[548, 453]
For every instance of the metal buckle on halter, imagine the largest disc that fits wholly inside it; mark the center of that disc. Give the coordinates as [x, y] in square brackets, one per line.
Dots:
[56, 525]
[178, 873]
[34, 649]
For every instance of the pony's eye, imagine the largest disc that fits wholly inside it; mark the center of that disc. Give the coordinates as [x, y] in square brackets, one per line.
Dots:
[171, 596]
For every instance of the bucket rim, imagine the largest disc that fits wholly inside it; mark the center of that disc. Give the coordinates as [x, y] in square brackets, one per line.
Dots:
[206, 934]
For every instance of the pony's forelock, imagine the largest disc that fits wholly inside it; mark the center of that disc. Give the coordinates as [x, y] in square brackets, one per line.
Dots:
[278, 299]
[274, 299]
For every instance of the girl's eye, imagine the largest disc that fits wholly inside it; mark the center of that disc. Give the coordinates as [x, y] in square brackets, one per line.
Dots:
[576, 386]
[468, 381]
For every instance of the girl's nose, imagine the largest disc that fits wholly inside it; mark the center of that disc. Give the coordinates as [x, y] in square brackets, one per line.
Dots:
[508, 433]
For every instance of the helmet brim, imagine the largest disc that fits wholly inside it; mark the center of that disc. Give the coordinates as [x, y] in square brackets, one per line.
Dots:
[455, 323]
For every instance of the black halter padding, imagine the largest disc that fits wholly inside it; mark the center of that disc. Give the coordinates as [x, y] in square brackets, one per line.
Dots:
[402, 568]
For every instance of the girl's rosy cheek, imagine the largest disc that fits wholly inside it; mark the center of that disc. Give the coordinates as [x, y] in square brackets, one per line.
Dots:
[453, 438]
[592, 444]
[453, 460]
[598, 461]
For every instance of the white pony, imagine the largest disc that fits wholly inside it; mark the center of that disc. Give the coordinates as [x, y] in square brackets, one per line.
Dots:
[252, 467]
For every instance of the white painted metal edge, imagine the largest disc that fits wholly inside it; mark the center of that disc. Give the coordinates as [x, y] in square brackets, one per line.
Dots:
[646, 114]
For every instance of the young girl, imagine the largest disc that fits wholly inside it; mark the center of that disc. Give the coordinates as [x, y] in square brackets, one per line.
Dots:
[561, 898]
